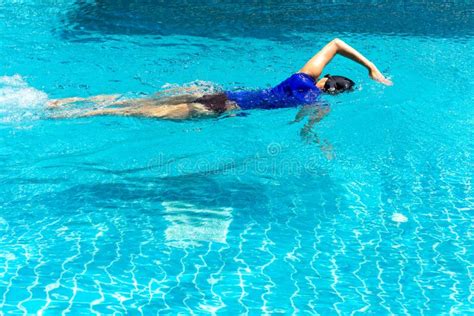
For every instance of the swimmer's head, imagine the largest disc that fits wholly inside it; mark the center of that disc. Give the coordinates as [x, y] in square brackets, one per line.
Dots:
[335, 84]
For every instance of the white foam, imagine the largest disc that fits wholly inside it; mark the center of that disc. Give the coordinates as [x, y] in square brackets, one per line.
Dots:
[15, 93]
[15, 80]
[399, 218]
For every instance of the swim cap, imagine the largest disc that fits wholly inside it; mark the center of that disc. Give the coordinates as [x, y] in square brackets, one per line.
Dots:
[337, 84]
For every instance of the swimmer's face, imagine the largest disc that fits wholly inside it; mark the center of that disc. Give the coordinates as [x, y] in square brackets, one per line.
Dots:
[321, 82]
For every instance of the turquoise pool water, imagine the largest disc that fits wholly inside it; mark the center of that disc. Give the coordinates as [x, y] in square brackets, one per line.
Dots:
[370, 211]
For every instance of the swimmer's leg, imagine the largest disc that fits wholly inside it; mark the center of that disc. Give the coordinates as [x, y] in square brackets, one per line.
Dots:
[114, 100]
[54, 103]
[102, 99]
[171, 112]
[174, 100]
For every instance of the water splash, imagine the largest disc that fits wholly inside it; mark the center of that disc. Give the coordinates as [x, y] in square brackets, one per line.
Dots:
[18, 100]
[198, 87]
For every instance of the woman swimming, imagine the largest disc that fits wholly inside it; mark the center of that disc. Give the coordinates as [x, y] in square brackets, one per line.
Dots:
[302, 88]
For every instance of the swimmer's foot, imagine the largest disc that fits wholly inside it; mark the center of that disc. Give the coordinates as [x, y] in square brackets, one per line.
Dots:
[55, 103]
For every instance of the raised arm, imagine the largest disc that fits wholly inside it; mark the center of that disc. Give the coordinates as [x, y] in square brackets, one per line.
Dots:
[314, 67]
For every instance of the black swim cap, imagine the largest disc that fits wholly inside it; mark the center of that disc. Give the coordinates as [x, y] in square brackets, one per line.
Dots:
[337, 84]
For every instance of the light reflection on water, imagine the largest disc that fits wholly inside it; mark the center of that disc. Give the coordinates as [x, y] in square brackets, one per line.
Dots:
[188, 225]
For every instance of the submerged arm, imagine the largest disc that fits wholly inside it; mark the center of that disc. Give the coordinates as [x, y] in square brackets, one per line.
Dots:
[315, 114]
[314, 67]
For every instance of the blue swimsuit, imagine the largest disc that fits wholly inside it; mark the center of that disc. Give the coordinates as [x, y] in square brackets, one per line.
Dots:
[299, 89]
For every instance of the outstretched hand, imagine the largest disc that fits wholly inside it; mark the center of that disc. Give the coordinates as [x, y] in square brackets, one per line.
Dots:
[376, 75]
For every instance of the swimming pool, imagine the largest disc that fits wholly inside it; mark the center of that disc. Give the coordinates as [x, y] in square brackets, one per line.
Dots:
[371, 211]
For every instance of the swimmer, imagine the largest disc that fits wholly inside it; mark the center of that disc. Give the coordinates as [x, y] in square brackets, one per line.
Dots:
[302, 88]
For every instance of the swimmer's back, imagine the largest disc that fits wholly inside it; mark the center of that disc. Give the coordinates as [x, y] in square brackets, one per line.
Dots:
[297, 90]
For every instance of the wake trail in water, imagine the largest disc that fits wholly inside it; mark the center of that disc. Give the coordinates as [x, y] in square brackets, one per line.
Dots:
[18, 100]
